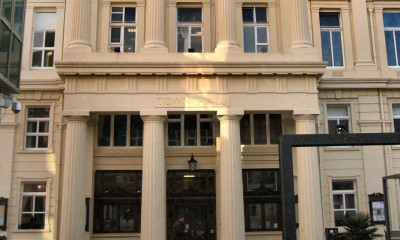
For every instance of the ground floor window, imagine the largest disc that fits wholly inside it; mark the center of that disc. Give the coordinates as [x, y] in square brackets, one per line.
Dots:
[117, 202]
[262, 200]
[344, 200]
[33, 205]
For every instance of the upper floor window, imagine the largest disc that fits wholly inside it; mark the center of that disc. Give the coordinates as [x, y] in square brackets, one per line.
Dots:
[44, 34]
[37, 128]
[344, 200]
[33, 205]
[331, 38]
[123, 29]
[189, 30]
[255, 29]
[396, 118]
[260, 129]
[391, 22]
[338, 119]
[119, 130]
[184, 129]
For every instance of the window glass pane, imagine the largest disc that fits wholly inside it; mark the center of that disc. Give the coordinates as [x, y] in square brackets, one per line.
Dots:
[262, 48]
[397, 37]
[390, 48]
[40, 204]
[5, 35]
[104, 130]
[339, 216]
[262, 35]
[6, 9]
[129, 39]
[255, 217]
[338, 111]
[391, 19]
[275, 126]
[174, 116]
[174, 134]
[116, 17]
[189, 15]
[136, 130]
[343, 185]
[48, 58]
[38, 221]
[248, 14]
[190, 130]
[326, 47]
[117, 9]
[344, 126]
[45, 20]
[332, 126]
[211, 116]
[50, 36]
[126, 219]
[396, 111]
[130, 14]
[350, 201]
[31, 127]
[261, 180]
[397, 125]
[38, 38]
[245, 133]
[27, 204]
[338, 202]
[35, 187]
[196, 44]
[260, 129]
[115, 35]
[38, 112]
[110, 218]
[43, 127]
[271, 215]
[329, 19]
[337, 48]
[261, 15]
[183, 39]
[118, 183]
[18, 16]
[2, 215]
[206, 133]
[120, 128]
[249, 39]
[37, 58]
[43, 141]
[30, 142]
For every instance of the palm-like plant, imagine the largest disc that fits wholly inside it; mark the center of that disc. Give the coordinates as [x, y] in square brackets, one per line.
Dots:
[359, 227]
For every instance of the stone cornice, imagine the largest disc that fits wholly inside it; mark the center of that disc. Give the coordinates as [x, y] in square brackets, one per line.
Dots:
[359, 83]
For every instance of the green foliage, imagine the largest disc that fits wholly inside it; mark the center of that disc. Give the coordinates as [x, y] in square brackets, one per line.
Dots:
[359, 227]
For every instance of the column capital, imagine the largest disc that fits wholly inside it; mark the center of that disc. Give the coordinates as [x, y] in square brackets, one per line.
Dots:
[76, 118]
[305, 117]
[154, 118]
[230, 118]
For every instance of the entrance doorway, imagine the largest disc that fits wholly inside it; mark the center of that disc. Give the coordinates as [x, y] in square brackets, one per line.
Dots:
[192, 194]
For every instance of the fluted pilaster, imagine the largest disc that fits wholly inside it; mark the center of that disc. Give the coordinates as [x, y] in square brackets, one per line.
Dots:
[80, 27]
[153, 225]
[301, 36]
[73, 192]
[230, 168]
[155, 25]
[226, 26]
[309, 192]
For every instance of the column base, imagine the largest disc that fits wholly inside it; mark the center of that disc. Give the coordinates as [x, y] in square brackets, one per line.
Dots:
[228, 47]
[79, 46]
[154, 47]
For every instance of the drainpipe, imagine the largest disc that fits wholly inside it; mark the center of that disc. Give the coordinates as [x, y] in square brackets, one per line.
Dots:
[371, 20]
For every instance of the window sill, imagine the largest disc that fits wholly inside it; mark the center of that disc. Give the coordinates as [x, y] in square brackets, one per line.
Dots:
[342, 148]
[277, 232]
[34, 151]
[46, 230]
[395, 147]
[115, 235]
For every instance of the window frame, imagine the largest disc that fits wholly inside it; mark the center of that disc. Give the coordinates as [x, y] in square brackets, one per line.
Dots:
[257, 25]
[190, 25]
[181, 120]
[37, 134]
[343, 193]
[267, 126]
[338, 118]
[42, 49]
[263, 200]
[122, 26]
[393, 30]
[330, 30]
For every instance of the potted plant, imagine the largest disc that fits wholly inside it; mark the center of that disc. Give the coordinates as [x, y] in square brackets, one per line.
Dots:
[359, 227]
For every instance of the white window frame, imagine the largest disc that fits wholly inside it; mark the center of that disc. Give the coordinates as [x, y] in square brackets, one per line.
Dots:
[392, 29]
[343, 193]
[181, 120]
[190, 25]
[37, 134]
[122, 26]
[330, 30]
[268, 135]
[256, 26]
[338, 118]
[43, 49]
[395, 116]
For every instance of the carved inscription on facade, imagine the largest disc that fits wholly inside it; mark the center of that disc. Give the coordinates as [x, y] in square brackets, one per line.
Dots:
[192, 102]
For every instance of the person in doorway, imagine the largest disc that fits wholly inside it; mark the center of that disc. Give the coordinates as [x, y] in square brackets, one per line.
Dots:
[179, 232]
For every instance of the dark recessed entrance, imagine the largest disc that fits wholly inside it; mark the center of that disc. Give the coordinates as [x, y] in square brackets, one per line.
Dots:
[192, 194]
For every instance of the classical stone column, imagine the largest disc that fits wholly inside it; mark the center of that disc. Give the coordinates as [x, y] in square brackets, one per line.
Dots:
[153, 225]
[301, 36]
[73, 192]
[226, 26]
[80, 27]
[309, 191]
[155, 26]
[230, 170]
